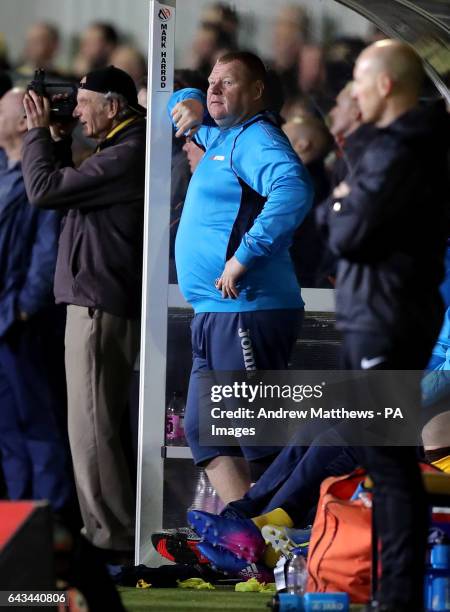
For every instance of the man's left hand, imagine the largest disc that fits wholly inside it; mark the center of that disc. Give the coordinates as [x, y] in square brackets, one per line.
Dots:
[37, 110]
[231, 274]
[341, 191]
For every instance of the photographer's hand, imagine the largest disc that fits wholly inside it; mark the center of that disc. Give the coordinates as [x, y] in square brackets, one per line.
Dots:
[37, 110]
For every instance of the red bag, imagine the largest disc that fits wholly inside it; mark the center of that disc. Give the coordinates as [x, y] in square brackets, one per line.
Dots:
[340, 551]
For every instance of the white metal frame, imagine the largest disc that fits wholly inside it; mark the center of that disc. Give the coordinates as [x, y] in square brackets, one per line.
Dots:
[152, 391]
[158, 295]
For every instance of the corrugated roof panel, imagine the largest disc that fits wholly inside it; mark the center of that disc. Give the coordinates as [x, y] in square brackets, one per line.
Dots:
[424, 24]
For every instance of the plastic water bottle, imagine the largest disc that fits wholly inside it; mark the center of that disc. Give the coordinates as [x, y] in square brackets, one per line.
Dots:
[297, 573]
[438, 578]
[206, 497]
[175, 420]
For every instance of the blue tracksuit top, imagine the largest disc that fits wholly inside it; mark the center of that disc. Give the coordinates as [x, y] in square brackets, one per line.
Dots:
[247, 196]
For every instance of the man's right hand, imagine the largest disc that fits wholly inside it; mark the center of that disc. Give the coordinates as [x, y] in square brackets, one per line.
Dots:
[37, 110]
[188, 117]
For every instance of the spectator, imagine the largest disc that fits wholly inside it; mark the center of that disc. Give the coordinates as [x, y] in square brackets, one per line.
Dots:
[34, 450]
[223, 15]
[194, 154]
[189, 78]
[263, 176]
[5, 85]
[297, 106]
[182, 168]
[312, 141]
[388, 246]
[311, 70]
[41, 48]
[273, 98]
[130, 60]
[98, 275]
[340, 58]
[181, 171]
[352, 137]
[182, 155]
[97, 44]
[345, 116]
[142, 89]
[298, 62]
[289, 34]
[210, 41]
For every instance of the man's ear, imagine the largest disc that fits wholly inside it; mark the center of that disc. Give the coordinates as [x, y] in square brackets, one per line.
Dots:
[354, 111]
[258, 89]
[114, 108]
[384, 84]
[303, 144]
[22, 124]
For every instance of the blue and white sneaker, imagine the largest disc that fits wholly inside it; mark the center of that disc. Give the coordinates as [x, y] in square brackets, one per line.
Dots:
[222, 560]
[238, 535]
[285, 539]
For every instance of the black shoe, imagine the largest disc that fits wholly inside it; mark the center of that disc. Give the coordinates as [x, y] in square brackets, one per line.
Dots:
[179, 545]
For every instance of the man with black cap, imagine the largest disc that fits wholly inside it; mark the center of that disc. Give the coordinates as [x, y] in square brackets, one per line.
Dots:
[98, 276]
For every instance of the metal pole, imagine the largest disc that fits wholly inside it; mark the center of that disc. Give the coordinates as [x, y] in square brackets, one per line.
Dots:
[152, 391]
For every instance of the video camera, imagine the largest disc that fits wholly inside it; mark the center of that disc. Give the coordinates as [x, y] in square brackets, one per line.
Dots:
[65, 101]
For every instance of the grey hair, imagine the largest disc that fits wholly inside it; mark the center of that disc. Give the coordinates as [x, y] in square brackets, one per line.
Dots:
[124, 110]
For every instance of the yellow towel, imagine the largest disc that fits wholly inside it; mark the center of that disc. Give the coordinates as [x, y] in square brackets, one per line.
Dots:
[196, 583]
[253, 586]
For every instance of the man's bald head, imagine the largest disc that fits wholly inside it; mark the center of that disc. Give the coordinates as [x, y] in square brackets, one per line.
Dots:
[399, 61]
[13, 101]
[13, 125]
[388, 77]
[345, 115]
[309, 137]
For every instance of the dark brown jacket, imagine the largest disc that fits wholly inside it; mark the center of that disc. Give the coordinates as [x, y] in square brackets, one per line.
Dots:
[99, 261]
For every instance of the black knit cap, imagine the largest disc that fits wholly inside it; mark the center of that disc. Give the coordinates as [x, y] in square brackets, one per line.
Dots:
[114, 80]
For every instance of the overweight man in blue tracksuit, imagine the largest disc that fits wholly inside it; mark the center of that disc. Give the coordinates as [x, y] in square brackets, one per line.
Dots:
[246, 198]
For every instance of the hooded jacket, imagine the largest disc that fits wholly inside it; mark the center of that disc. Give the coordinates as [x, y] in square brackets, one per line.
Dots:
[390, 231]
[99, 261]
